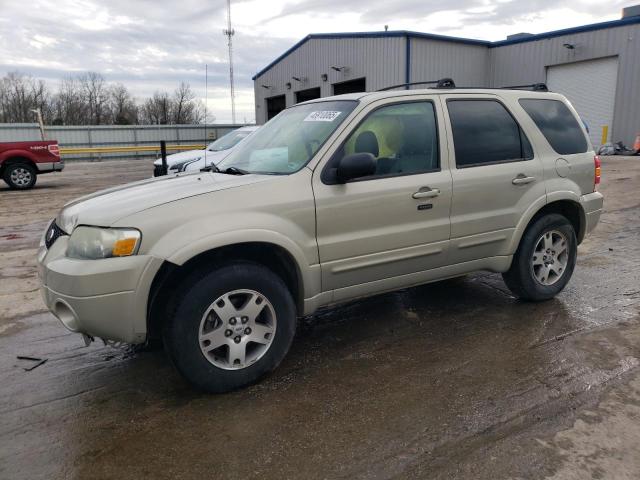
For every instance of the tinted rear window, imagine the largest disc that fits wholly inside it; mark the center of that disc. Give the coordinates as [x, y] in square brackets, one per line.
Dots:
[484, 132]
[557, 124]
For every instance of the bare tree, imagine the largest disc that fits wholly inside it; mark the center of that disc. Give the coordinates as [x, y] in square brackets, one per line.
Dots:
[88, 99]
[19, 95]
[96, 97]
[157, 109]
[69, 105]
[123, 107]
[183, 104]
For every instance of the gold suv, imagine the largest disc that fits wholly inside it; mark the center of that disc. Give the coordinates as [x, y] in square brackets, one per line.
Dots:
[333, 199]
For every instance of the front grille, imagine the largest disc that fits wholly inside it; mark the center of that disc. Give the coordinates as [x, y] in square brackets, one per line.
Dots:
[53, 233]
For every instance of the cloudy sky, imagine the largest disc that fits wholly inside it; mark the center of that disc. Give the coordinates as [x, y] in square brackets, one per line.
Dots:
[155, 44]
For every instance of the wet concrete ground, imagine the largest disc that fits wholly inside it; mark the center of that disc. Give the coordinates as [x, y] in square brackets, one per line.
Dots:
[450, 380]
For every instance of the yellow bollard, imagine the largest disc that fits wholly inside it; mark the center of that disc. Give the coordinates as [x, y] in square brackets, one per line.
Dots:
[605, 134]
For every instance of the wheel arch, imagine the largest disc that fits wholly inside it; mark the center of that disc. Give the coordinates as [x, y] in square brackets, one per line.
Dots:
[569, 207]
[13, 159]
[270, 255]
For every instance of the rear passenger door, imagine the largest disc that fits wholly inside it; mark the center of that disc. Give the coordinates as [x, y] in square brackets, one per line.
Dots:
[496, 175]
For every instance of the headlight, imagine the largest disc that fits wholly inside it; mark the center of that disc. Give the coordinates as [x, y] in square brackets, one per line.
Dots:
[180, 166]
[94, 243]
[44, 234]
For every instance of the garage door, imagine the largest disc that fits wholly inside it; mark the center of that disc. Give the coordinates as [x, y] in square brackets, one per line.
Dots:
[591, 87]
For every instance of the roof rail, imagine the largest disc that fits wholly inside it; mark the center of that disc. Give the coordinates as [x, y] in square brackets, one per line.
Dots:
[536, 87]
[442, 83]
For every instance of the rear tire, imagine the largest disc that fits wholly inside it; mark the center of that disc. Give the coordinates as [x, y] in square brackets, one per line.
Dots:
[20, 176]
[231, 326]
[545, 259]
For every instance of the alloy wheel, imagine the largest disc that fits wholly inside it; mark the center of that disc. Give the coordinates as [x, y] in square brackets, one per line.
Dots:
[21, 177]
[237, 329]
[550, 257]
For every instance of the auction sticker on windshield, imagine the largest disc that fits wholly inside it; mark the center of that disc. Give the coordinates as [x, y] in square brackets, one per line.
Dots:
[322, 116]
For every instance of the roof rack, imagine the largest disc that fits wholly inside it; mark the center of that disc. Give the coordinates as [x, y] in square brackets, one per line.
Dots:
[536, 87]
[442, 83]
[449, 83]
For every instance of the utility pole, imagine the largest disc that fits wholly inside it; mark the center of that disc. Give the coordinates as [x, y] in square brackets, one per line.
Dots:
[229, 32]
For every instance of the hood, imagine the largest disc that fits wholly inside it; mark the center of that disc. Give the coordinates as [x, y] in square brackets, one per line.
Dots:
[193, 154]
[105, 207]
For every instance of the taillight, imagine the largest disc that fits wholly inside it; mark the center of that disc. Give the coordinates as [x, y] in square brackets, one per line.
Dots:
[54, 150]
[597, 172]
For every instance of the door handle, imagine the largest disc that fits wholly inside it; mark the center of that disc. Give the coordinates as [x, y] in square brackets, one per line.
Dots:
[426, 192]
[522, 179]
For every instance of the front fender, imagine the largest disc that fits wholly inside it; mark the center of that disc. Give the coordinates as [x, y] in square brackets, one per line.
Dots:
[292, 229]
[309, 274]
[258, 212]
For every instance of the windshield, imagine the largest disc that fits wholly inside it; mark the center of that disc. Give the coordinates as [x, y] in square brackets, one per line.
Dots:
[227, 141]
[287, 142]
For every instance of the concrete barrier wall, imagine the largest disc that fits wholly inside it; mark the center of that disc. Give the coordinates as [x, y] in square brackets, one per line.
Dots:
[115, 135]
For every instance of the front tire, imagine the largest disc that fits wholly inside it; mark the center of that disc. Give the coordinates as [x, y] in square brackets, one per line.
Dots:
[231, 326]
[20, 176]
[545, 259]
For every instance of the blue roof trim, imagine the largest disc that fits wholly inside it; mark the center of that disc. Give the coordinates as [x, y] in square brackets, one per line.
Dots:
[568, 31]
[445, 38]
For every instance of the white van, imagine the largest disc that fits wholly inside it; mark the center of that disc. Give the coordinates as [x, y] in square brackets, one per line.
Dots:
[194, 160]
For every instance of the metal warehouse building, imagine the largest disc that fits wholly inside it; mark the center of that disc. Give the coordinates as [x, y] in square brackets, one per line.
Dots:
[596, 66]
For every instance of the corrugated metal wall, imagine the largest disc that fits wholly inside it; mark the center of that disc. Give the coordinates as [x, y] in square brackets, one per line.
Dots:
[380, 60]
[468, 65]
[115, 135]
[527, 63]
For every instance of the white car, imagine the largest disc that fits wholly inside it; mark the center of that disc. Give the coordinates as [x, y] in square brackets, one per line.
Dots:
[194, 160]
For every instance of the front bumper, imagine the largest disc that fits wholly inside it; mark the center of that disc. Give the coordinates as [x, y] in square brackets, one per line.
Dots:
[103, 298]
[592, 207]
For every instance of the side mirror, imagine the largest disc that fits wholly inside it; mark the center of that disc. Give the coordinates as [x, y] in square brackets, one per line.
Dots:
[355, 165]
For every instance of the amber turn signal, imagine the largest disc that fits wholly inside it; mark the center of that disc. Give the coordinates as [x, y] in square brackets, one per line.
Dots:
[124, 247]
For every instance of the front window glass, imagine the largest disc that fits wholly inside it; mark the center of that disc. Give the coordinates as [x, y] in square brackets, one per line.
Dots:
[402, 137]
[227, 141]
[287, 142]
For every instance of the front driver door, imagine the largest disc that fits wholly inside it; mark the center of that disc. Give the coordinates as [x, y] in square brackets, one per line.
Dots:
[395, 222]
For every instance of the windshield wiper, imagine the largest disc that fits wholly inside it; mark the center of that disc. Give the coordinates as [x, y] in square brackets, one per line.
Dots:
[229, 171]
[210, 168]
[234, 171]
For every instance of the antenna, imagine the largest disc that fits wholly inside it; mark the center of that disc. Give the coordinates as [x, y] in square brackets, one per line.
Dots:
[229, 32]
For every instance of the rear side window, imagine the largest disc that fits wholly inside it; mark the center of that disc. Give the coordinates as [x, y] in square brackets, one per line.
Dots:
[484, 132]
[557, 124]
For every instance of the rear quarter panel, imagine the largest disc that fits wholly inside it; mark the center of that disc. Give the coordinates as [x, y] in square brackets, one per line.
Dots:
[37, 152]
[566, 176]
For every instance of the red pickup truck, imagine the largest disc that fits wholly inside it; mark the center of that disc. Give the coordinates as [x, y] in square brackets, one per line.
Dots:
[22, 162]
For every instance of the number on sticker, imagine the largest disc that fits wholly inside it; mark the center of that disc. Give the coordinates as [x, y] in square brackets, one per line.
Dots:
[322, 116]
